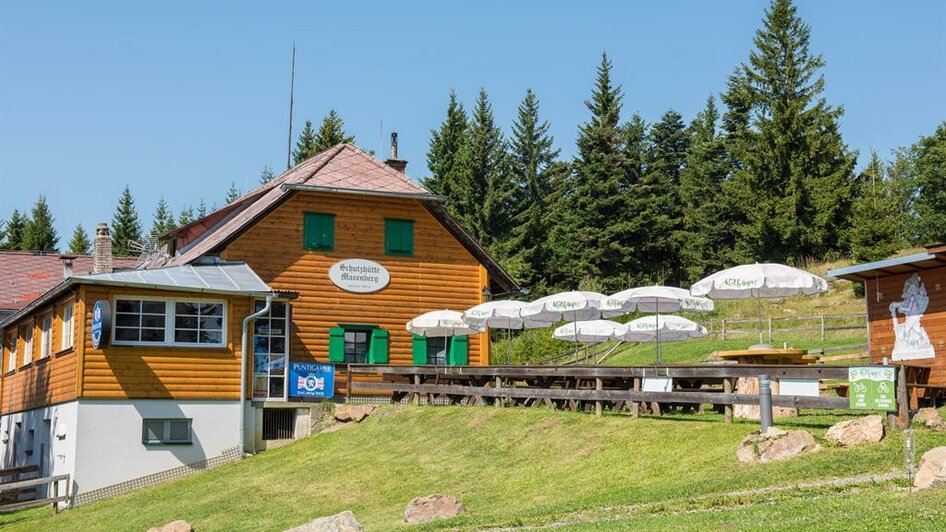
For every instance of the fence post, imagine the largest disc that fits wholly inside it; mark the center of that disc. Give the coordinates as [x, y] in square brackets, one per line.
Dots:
[599, 406]
[765, 403]
[822, 327]
[727, 409]
[635, 405]
[499, 386]
[348, 383]
[903, 400]
[56, 496]
[723, 328]
[417, 393]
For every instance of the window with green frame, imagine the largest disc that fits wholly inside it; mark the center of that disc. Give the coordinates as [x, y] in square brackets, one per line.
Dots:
[358, 344]
[452, 351]
[399, 237]
[318, 231]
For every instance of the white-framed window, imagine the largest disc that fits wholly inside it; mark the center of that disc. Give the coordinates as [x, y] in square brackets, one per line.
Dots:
[166, 431]
[271, 351]
[28, 344]
[171, 322]
[68, 325]
[11, 362]
[46, 339]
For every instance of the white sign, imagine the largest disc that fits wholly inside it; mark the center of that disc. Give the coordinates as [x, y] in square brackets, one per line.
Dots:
[359, 275]
[800, 387]
[657, 384]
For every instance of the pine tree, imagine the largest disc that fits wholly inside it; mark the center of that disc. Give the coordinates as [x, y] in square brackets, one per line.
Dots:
[593, 217]
[125, 225]
[39, 234]
[185, 217]
[875, 233]
[14, 231]
[930, 182]
[201, 208]
[80, 243]
[446, 144]
[795, 185]
[532, 157]
[305, 146]
[266, 175]
[163, 219]
[331, 132]
[706, 238]
[233, 193]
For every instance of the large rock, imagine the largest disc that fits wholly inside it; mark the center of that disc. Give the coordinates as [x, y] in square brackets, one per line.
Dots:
[857, 431]
[932, 469]
[931, 418]
[423, 509]
[775, 444]
[174, 526]
[356, 413]
[343, 522]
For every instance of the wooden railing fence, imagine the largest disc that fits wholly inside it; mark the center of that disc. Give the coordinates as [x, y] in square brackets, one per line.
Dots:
[823, 324]
[19, 493]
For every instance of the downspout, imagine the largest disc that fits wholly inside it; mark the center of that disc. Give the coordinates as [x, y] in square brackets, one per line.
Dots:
[246, 324]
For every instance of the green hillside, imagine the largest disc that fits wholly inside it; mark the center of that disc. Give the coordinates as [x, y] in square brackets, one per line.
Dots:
[514, 467]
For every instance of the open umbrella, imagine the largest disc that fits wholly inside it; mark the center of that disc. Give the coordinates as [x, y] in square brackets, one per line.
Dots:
[501, 315]
[565, 306]
[441, 323]
[655, 299]
[758, 281]
[593, 331]
[667, 328]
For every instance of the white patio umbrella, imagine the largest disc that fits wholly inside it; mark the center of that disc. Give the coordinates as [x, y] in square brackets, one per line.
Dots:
[593, 331]
[441, 323]
[501, 315]
[568, 306]
[655, 299]
[758, 281]
[667, 328]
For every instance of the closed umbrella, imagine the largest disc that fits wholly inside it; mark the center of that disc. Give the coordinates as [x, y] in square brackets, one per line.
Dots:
[565, 306]
[501, 315]
[758, 281]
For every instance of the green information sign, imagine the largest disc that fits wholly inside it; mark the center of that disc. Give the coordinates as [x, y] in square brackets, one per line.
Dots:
[872, 388]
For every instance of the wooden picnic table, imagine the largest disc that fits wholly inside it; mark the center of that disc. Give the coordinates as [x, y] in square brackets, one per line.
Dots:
[750, 385]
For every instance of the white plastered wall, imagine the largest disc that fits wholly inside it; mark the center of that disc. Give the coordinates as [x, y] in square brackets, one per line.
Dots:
[53, 441]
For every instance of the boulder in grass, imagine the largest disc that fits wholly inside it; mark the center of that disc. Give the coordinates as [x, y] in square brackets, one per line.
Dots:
[174, 526]
[932, 470]
[348, 413]
[343, 522]
[774, 445]
[431, 507]
[931, 418]
[857, 431]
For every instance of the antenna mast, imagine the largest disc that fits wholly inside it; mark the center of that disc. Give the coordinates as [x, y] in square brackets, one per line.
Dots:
[292, 84]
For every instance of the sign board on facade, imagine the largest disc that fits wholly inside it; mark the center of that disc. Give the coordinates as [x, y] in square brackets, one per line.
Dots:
[359, 275]
[101, 323]
[872, 388]
[311, 379]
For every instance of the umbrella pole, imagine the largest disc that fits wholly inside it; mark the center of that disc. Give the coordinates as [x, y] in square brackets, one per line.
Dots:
[508, 342]
[657, 327]
[759, 301]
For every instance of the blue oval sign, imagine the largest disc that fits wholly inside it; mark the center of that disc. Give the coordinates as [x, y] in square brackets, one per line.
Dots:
[101, 323]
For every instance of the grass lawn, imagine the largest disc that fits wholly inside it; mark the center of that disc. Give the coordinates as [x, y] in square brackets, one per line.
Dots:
[509, 466]
[697, 351]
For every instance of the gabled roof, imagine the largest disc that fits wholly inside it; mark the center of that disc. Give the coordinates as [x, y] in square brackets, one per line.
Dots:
[25, 275]
[343, 168]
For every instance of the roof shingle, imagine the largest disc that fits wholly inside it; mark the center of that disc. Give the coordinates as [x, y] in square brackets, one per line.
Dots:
[24, 275]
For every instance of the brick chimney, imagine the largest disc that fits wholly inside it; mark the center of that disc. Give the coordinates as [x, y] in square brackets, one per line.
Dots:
[393, 161]
[102, 254]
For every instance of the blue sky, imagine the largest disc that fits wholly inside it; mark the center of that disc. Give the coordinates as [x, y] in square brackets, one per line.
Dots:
[181, 98]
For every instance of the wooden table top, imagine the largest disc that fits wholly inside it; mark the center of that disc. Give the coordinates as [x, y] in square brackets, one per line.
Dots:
[766, 355]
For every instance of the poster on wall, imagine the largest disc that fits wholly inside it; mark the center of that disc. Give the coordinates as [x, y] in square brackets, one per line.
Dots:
[872, 388]
[910, 339]
[311, 379]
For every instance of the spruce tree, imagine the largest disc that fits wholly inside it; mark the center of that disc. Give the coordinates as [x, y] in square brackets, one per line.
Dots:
[929, 156]
[14, 231]
[233, 193]
[39, 233]
[305, 146]
[531, 169]
[185, 217]
[125, 225]
[795, 185]
[266, 175]
[446, 143]
[331, 132]
[80, 243]
[163, 219]
[875, 233]
[201, 208]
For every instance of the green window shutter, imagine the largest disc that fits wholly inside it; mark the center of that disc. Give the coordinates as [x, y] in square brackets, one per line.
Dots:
[378, 350]
[459, 354]
[318, 231]
[336, 344]
[399, 237]
[420, 350]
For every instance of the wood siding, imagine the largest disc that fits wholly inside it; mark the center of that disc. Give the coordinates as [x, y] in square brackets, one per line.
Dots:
[442, 274]
[139, 372]
[43, 381]
[883, 291]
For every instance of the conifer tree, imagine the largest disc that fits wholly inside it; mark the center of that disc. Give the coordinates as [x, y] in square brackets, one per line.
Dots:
[305, 146]
[14, 230]
[163, 219]
[186, 216]
[201, 208]
[798, 173]
[331, 132]
[233, 193]
[39, 233]
[929, 165]
[266, 175]
[875, 233]
[80, 243]
[125, 225]
[532, 157]
[446, 143]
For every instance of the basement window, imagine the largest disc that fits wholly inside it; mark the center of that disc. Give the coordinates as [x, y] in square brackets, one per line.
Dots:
[174, 431]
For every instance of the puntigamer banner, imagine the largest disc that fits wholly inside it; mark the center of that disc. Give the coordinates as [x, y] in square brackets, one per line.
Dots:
[872, 388]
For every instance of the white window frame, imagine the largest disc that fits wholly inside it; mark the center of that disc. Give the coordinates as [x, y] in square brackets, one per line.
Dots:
[46, 335]
[169, 322]
[28, 345]
[68, 325]
[285, 388]
[14, 351]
